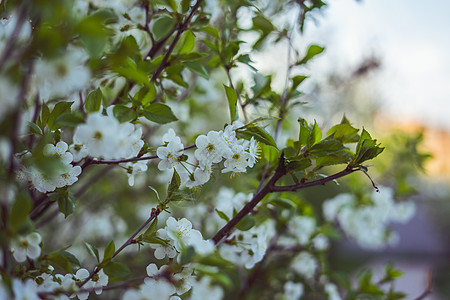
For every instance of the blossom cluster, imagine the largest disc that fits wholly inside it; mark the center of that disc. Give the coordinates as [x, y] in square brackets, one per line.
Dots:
[102, 136]
[51, 282]
[212, 148]
[367, 223]
[64, 175]
[157, 286]
[178, 235]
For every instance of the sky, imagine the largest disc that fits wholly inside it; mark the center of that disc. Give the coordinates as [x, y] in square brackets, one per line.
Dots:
[409, 36]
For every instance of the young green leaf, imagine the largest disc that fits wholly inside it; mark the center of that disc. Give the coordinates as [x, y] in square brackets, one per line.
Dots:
[312, 51]
[92, 250]
[163, 26]
[232, 102]
[197, 68]
[116, 270]
[109, 250]
[94, 100]
[159, 113]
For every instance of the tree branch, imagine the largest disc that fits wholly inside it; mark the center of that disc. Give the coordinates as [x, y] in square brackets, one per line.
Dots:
[226, 230]
[180, 29]
[270, 187]
[322, 181]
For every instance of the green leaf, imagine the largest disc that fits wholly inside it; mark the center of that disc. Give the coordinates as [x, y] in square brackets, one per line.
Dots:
[391, 273]
[212, 31]
[246, 223]
[232, 102]
[93, 33]
[129, 69]
[45, 113]
[222, 215]
[163, 26]
[60, 261]
[70, 119]
[339, 157]
[124, 113]
[146, 94]
[215, 260]
[345, 133]
[35, 129]
[197, 68]
[94, 101]
[298, 165]
[315, 136]
[65, 204]
[174, 185]
[19, 212]
[155, 240]
[116, 270]
[326, 146]
[258, 133]
[366, 149]
[262, 23]
[159, 113]
[109, 250]
[305, 132]
[186, 255]
[59, 108]
[186, 43]
[283, 203]
[151, 229]
[70, 257]
[312, 51]
[296, 80]
[185, 5]
[92, 250]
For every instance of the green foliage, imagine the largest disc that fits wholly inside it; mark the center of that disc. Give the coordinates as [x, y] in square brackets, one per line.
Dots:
[232, 102]
[159, 113]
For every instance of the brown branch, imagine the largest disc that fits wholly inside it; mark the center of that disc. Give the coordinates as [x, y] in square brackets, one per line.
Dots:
[226, 230]
[11, 43]
[322, 181]
[17, 117]
[180, 29]
[428, 289]
[270, 187]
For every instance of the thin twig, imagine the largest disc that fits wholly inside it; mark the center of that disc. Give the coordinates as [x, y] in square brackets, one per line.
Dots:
[155, 212]
[270, 187]
[428, 289]
[223, 233]
[180, 29]
[17, 118]
[11, 43]
[322, 181]
[371, 180]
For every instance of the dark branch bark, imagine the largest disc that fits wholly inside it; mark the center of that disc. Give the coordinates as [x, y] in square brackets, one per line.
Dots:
[180, 29]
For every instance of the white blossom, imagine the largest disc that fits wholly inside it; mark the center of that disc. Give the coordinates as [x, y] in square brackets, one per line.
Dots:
[204, 290]
[211, 148]
[27, 246]
[292, 290]
[305, 264]
[170, 154]
[62, 75]
[162, 251]
[25, 290]
[236, 160]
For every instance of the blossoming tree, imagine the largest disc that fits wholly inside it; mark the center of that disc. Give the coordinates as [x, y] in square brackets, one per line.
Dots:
[94, 92]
